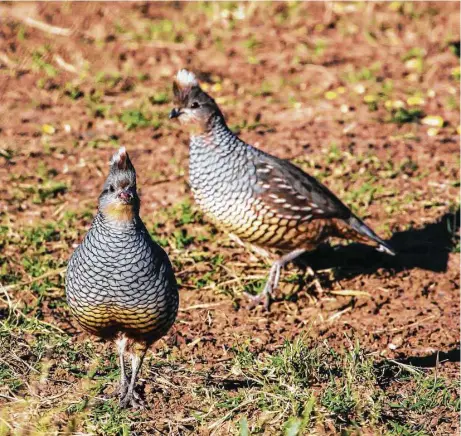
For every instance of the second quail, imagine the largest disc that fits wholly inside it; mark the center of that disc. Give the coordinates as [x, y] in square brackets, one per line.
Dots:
[257, 197]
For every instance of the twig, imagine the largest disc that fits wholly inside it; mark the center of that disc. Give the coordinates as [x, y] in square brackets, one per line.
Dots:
[6, 423]
[8, 299]
[338, 314]
[168, 45]
[54, 397]
[64, 65]
[351, 293]
[6, 60]
[239, 280]
[201, 306]
[35, 279]
[399, 329]
[406, 367]
[162, 181]
[40, 25]
[9, 398]
[186, 270]
[221, 421]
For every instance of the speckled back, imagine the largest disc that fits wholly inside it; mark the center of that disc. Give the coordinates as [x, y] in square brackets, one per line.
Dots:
[231, 181]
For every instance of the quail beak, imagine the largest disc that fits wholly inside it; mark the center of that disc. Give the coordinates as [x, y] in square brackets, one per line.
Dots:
[126, 196]
[175, 113]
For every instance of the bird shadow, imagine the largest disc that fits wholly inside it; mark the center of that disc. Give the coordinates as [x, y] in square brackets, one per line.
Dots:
[426, 248]
[389, 370]
[432, 360]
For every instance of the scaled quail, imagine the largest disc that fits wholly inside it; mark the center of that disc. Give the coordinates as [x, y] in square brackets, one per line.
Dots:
[258, 198]
[120, 284]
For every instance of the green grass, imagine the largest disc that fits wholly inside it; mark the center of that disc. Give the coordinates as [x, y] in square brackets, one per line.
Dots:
[135, 118]
[305, 383]
[345, 388]
[403, 115]
[160, 98]
[73, 91]
[39, 62]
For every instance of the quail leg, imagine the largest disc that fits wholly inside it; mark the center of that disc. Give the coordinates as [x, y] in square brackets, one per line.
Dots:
[123, 386]
[131, 397]
[273, 279]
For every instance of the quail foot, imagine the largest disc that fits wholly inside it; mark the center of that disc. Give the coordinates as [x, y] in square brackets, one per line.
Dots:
[120, 284]
[257, 197]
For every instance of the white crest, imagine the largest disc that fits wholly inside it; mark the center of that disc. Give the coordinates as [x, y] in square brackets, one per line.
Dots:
[116, 157]
[186, 78]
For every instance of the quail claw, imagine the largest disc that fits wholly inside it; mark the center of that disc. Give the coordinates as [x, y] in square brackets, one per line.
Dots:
[133, 399]
[315, 280]
[255, 300]
[263, 297]
[266, 294]
[119, 391]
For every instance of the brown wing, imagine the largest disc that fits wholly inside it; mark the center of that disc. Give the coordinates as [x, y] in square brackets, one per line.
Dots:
[290, 192]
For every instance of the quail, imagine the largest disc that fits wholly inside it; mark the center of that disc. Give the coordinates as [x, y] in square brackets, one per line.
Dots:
[256, 197]
[120, 284]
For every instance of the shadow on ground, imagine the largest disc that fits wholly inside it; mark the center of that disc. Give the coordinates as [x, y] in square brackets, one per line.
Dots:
[432, 360]
[427, 248]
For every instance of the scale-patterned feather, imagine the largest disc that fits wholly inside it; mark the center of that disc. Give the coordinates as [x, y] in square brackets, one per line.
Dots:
[257, 197]
[119, 281]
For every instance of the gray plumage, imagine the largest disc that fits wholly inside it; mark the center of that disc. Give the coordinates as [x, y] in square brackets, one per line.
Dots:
[120, 274]
[232, 181]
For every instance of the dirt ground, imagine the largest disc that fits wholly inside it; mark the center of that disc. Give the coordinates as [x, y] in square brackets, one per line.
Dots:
[364, 96]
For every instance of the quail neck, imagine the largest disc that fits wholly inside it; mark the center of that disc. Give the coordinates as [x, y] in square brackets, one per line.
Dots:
[212, 155]
[119, 219]
[217, 138]
[222, 176]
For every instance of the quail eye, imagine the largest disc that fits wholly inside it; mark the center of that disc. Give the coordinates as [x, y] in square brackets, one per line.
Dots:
[195, 105]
